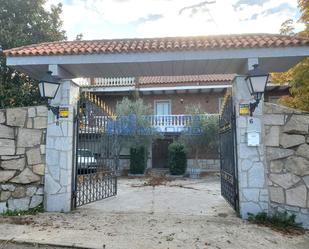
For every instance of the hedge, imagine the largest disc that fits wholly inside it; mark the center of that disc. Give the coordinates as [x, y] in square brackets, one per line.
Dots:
[177, 159]
[138, 160]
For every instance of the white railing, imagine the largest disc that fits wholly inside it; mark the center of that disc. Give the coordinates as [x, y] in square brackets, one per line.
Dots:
[162, 123]
[126, 81]
[169, 120]
[106, 82]
[175, 123]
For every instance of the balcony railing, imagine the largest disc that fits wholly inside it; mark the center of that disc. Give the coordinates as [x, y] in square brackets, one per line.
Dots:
[106, 82]
[175, 123]
[125, 124]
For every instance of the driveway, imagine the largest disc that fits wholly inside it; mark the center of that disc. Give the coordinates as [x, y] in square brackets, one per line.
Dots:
[165, 197]
[176, 214]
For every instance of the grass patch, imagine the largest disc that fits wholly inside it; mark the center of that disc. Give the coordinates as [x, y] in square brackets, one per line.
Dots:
[280, 221]
[31, 211]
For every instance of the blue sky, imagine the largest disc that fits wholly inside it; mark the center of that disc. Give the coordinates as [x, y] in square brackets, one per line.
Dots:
[103, 19]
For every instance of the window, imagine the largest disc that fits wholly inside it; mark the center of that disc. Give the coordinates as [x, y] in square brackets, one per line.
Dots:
[162, 107]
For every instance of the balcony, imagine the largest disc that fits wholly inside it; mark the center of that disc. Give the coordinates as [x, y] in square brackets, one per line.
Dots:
[176, 123]
[127, 124]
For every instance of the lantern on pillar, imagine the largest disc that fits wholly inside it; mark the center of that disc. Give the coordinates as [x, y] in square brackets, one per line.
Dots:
[256, 80]
[49, 86]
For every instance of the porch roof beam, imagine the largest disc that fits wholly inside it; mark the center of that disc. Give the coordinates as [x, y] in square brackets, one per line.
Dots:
[214, 61]
[160, 56]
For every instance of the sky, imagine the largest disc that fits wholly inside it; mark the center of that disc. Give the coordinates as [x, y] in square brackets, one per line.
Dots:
[106, 19]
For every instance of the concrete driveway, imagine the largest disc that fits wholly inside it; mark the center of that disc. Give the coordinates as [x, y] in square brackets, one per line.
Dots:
[178, 214]
[180, 196]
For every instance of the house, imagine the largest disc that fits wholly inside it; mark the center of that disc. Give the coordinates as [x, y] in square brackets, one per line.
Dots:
[168, 97]
[201, 70]
[235, 54]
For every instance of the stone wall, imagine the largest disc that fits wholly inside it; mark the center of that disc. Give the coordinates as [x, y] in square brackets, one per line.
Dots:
[22, 157]
[287, 149]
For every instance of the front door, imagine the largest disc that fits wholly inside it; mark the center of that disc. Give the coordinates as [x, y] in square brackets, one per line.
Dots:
[160, 153]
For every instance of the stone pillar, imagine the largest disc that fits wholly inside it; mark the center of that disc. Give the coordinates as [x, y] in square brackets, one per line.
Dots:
[253, 191]
[59, 151]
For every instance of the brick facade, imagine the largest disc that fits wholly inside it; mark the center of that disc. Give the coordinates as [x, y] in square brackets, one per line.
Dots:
[209, 102]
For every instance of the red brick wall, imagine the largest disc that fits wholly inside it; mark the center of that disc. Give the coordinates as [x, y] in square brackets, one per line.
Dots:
[209, 102]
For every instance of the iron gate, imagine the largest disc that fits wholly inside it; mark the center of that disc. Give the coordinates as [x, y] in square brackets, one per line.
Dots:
[95, 175]
[228, 162]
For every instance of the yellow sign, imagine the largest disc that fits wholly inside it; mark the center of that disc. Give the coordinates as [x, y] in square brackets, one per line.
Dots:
[243, 109]
[63, 112]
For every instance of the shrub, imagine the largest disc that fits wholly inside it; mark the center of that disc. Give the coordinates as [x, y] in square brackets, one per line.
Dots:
[279, 219]
[138, 160]
[177, 159]
[31, 211]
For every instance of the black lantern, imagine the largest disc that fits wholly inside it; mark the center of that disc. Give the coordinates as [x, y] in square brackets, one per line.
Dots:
[256, 80]
[48, 87]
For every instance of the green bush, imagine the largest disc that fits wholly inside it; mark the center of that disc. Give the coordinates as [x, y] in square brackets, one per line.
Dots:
[138, 160]
[31, 211]
[177, 159]
[278, 219]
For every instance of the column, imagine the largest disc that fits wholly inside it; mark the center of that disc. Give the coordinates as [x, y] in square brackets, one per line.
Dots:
[60, 151]
[253, 192]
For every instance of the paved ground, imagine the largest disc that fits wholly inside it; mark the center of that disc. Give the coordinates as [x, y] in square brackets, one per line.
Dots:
[181, 214]
[10, 245]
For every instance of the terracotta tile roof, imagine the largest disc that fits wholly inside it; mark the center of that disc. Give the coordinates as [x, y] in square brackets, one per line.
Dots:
[187, 79]
[158, 44]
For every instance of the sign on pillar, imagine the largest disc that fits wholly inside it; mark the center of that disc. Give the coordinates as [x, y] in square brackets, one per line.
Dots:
[253, 131]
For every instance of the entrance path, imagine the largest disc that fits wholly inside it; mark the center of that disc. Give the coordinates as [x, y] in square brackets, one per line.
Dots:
[179, 214]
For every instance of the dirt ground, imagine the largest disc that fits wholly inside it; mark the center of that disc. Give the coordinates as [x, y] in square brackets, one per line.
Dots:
[178, 214]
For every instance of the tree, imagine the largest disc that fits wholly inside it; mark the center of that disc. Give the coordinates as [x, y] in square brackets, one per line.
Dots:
[79, 37]
[287, 27]
[201, 133]
[298, 76]
[304, 18]
[24, 22]
[133, 129]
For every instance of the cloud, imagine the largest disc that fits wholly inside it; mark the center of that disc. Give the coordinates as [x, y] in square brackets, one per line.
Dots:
[253, 17]
[240, 4]
[280, 8]
[102, 19]
[284, 9]
[196, 7]
[149, 18]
